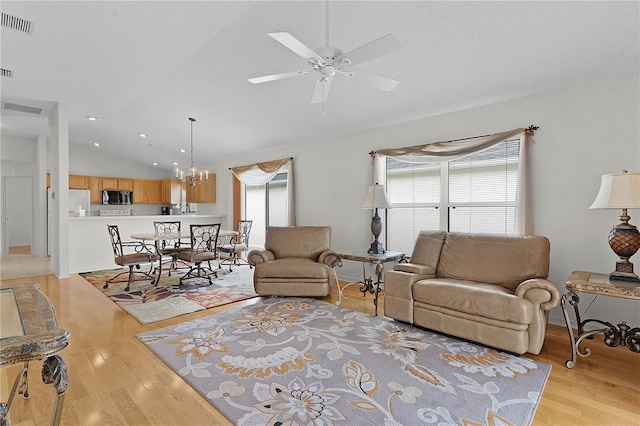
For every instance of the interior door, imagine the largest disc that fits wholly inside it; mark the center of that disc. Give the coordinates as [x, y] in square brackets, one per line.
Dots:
[18, 212]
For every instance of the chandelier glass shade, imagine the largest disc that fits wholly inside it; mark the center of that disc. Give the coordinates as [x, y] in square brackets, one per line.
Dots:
[192, 177]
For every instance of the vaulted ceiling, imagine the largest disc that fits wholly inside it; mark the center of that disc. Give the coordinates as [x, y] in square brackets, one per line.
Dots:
[147, 66]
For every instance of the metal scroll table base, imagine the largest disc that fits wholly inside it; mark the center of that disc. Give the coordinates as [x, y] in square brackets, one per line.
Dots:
[620, 335]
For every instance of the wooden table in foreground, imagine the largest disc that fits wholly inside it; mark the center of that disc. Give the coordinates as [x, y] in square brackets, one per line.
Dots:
[29, 331]
[598, 284]
[367, 284]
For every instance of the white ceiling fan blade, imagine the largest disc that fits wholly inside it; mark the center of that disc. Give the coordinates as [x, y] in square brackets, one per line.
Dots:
[273, 77]
[382, 46]
[382, 83]
[294, 44]
[321, 92]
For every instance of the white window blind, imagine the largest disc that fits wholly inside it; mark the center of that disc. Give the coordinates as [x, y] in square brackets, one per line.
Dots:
[476, 193]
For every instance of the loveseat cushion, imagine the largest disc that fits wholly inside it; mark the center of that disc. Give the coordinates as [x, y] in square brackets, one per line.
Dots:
[298, 241]
[475, 298]
[292, 268]
[505, 260]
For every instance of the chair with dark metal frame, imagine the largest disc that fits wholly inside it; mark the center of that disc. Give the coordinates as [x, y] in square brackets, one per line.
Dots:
[204, 242]
[139, 253]
[237, 244]
[169, 246]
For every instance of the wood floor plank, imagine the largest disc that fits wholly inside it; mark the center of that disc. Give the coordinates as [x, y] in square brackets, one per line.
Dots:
[115, 379]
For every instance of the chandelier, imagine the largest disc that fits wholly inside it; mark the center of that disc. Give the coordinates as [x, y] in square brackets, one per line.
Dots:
[192, 178]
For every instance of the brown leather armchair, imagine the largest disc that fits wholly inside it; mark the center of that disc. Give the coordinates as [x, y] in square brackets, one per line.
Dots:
[296, 261]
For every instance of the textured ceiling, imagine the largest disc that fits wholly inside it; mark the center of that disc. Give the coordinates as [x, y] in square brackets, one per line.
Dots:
[148, 66]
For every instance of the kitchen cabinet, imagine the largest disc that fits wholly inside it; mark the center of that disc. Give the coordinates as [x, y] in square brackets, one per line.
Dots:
[48, 180]
[172, 191]
[78, 182]
[110, 183]
[153, 193]
[95, 186]
[146, 191]
[125, 184]
[204, 192]
[139, 191]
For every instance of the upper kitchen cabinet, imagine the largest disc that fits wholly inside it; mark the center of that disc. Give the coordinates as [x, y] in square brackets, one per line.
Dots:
[204, 192]
[78, 182]
[153, 192]
[125, 184]
[172, 191]
[146, 191]
[110, 183]
[95, 186]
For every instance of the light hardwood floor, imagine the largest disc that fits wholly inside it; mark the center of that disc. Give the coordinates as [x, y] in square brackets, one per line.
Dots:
[115, 379]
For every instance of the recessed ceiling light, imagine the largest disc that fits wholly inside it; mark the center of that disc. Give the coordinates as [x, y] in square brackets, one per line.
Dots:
[96, 144]
[154, 163]
[91, 118]
[182, 150]
[143, 135]
[174, 163]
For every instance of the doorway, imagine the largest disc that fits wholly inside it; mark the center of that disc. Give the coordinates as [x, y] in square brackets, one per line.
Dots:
[17, 215]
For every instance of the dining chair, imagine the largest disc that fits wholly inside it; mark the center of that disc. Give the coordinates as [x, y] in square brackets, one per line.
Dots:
[237, 244]
[138, 254]
[169, 246]
[204, 241]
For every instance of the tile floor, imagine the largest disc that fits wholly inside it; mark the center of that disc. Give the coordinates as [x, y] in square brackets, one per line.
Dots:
[23, 265]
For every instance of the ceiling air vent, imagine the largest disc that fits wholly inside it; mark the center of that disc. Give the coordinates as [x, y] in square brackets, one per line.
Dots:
[22, 108]
[17, 24]
[7, 73]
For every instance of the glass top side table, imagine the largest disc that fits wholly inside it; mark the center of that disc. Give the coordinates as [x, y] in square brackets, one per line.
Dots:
[598, 284]
[367, 284]
[30, 331]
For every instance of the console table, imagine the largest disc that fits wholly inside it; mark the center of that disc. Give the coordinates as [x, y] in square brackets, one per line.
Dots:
[367, 284]
[29, 331]
[598, 284]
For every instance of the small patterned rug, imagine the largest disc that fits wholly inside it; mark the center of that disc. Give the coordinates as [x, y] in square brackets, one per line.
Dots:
[149, 303]
[286, 361]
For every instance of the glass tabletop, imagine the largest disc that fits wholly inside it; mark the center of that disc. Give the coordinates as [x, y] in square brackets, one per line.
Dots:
[10, 321]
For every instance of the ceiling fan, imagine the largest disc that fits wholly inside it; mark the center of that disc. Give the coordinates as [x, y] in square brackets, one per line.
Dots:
[329, 61]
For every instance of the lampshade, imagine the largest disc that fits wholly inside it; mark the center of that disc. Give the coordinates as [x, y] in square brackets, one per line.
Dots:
[376, 198]
[618, 191]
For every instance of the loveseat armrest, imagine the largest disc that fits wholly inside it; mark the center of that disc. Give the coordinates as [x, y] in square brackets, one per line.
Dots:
[539, 291]
[398, 295]
[415, 268]
[260, 256]
[330, 258]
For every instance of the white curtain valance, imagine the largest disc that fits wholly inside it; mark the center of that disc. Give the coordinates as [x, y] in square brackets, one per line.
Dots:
[261, 173]
[447, 150]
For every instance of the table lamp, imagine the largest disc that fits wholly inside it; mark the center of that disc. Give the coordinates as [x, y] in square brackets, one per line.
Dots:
[376, 199]
[621, 191]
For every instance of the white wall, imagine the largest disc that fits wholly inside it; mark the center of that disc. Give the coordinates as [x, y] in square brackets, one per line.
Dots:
[92, 161]
[585, 132]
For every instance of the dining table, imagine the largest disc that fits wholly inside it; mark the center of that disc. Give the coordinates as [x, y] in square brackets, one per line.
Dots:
[155, 237]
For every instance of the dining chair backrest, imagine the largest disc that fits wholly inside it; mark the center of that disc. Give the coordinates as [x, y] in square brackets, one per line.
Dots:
[116, 242]
[204, 238]
[244, 230]
[167, 228]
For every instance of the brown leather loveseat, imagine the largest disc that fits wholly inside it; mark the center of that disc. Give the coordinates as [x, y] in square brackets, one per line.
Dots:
[491, 289]
[296, 261]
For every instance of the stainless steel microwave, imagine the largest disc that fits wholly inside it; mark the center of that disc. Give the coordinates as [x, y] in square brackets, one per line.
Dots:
[117, 197]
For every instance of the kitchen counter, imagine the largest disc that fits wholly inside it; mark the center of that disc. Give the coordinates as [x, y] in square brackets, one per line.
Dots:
[90, 246]
[169, 217]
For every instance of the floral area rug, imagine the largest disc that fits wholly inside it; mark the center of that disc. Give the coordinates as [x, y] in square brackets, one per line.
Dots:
[303, 361]
[149, 303]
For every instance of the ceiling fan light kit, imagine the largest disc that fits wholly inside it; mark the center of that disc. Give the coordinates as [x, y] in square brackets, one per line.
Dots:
[329, 61]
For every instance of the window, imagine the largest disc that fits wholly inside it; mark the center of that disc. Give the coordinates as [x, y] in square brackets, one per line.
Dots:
[476, 193]
[266, 206]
